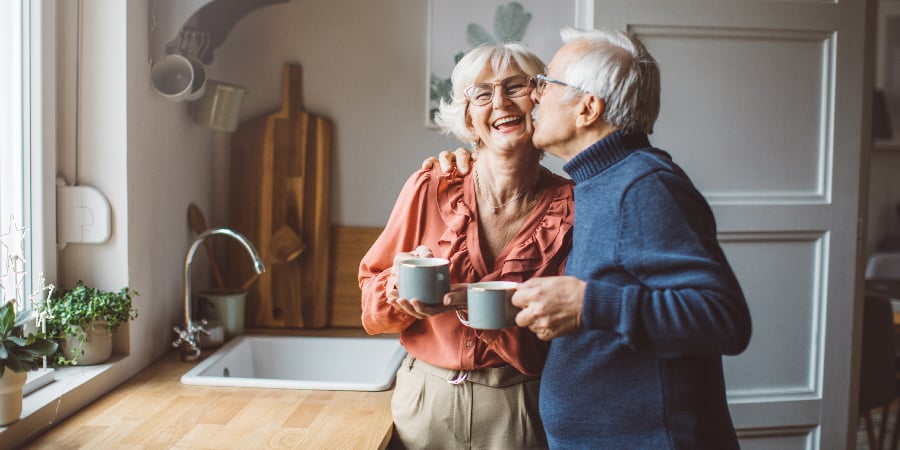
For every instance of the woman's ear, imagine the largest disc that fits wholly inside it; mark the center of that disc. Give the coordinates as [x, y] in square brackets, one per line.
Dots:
[590, 110]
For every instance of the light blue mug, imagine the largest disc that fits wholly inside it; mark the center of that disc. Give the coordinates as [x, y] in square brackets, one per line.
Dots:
[490, 305]
[424, 279]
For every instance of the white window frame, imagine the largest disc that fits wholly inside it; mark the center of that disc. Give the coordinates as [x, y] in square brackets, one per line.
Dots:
[27, 131]
[13, 107]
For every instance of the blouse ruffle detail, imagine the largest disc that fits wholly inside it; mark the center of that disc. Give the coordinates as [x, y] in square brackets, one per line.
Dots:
[549, 226]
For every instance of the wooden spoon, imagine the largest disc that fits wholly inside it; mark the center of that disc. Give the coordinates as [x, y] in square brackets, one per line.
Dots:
[198, 224]
[284, 247]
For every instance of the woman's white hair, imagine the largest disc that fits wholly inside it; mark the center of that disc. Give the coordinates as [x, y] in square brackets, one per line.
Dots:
[452, 116]
[617, 68]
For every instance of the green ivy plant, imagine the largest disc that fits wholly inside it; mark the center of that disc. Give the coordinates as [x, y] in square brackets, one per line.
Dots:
[74, 312]
[20, 352]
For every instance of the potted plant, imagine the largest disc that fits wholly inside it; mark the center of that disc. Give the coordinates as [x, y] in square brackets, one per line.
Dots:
[83, 320]
[19, 353]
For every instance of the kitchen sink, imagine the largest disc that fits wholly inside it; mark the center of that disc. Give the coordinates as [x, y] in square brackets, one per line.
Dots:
[301, 362]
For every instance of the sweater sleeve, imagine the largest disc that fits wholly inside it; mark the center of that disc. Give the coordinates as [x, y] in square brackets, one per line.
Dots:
[402, 233]
[680, 297]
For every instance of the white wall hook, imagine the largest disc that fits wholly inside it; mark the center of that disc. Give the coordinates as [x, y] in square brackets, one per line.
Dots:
[82, 215]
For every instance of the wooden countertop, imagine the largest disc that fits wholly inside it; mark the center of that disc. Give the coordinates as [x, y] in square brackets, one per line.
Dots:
[155, 410]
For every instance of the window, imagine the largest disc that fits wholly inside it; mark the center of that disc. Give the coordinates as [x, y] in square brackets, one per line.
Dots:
[11, 111]
[24, 153]
[13, 107]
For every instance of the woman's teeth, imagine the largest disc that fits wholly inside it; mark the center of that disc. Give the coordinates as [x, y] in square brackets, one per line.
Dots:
[506, 121]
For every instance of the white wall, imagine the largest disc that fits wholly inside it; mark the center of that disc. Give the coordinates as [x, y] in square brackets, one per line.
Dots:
[170, 165]
[364, 68]
[146, 157]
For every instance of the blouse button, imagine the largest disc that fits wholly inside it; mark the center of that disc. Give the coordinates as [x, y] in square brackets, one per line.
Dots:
[469, 343]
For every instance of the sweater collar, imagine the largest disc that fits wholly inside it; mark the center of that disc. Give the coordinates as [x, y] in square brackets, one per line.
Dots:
[604, 153]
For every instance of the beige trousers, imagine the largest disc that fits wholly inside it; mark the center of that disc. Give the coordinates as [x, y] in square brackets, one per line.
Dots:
[494, 408]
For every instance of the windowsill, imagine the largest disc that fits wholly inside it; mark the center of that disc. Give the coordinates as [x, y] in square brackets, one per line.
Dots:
[41, 409]
[38, 379]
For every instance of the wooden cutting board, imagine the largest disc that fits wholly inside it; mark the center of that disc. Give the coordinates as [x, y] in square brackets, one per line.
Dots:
[280, 175]
[348, 246]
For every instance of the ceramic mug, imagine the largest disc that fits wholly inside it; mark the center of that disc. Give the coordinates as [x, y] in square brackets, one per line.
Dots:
[220, 106]
[226, 308]
[173, 77]
[490, 305]
[198, 83]
[424, 279]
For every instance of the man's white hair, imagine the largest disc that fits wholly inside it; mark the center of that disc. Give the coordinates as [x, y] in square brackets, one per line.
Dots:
[616, 67]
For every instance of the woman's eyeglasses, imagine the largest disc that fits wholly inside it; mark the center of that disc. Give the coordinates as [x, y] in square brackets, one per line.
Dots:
[481, 94]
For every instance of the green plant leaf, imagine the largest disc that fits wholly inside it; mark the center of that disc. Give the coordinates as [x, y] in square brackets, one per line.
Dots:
[511, 21]
[12, 360]
[17, 351]
[477, 35]
[23, 317]
[7, 319]
[39, 347]
[16, 340]
[440, 88]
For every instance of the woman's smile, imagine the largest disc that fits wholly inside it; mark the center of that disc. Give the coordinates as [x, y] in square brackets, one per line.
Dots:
[506, 122]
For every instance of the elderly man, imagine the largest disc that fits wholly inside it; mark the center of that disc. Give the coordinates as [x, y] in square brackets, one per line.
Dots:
[649, 303]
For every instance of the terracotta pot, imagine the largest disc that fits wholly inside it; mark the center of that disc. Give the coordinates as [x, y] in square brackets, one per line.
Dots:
[11, 384]
[96, 348]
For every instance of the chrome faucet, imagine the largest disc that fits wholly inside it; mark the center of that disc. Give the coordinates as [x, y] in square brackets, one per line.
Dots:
[188, 338]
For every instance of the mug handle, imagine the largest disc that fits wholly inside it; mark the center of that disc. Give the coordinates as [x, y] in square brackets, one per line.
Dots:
[461, 320]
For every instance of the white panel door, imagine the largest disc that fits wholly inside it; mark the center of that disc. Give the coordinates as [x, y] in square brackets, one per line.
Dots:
[762, 105]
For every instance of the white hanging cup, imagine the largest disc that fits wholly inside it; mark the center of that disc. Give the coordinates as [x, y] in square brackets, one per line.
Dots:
[173, 77]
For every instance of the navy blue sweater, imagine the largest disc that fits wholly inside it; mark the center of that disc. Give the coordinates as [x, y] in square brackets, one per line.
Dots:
[661, 307]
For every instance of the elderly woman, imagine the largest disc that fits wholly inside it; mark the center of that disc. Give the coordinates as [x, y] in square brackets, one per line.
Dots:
[511, 220]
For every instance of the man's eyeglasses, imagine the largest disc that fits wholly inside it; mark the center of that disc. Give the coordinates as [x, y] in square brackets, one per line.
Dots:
[481, 94]
[543, 80]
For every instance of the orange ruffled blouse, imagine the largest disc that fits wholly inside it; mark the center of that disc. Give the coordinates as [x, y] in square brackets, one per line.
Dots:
[439, 210]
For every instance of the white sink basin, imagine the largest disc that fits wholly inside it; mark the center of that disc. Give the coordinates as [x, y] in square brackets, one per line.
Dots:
[302, 362]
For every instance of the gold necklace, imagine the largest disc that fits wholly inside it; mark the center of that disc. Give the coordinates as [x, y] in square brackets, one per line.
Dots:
[496, 208]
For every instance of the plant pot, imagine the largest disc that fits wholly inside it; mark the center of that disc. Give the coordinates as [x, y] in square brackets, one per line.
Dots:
[11, 384]
[88, 348]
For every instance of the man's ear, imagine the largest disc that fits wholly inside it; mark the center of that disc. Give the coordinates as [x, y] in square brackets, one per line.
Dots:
[590, 111]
